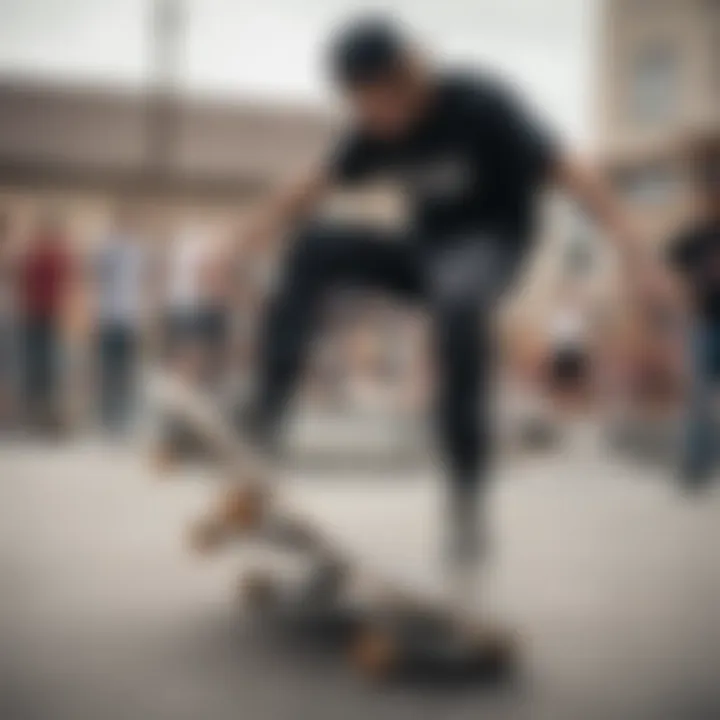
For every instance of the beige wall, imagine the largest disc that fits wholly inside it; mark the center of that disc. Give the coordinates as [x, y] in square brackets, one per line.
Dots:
[630, 146]
[83, 129]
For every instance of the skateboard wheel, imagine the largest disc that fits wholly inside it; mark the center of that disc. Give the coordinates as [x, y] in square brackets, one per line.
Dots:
[374, 654]
[243, 508]
[258, 590]
[496, 648]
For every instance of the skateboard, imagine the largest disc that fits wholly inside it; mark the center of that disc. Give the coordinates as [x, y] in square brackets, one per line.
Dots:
[384, 630]
[393, 636]
[177, 439]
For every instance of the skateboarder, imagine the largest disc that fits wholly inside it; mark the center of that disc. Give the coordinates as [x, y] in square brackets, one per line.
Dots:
[471, 160]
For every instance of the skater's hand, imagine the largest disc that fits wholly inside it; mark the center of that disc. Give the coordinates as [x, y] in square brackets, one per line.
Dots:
[288, 205]
[249, 244]
[259, 231]
[644, 276]
[253, 235]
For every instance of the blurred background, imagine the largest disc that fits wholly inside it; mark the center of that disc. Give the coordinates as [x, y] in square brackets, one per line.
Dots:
[163, 122]
[134, 137]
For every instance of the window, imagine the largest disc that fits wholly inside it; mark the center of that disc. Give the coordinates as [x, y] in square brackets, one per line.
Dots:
[654, 82]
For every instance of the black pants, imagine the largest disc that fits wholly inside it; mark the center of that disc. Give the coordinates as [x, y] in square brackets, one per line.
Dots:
[117, 351]
[458, 282]
[39, 346]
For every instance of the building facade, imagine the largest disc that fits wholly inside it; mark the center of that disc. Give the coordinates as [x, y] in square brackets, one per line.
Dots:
[85, 152]
[658, 103]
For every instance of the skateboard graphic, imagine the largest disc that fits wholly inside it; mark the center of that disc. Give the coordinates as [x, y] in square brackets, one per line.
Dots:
[384, 630]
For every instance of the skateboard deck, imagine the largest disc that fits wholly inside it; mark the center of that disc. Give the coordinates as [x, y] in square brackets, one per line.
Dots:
[196, 412]
[249, 504]
[385, 630]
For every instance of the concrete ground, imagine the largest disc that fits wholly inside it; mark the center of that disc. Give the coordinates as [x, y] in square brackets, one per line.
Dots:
[612, 576]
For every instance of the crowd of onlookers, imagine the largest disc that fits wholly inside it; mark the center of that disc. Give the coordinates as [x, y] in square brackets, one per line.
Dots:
[81, 317]
[132, 296]
[76, 326]
[79, 322]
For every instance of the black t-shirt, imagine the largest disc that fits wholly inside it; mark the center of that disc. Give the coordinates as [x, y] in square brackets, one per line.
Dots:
[473, 161]
[696, 254]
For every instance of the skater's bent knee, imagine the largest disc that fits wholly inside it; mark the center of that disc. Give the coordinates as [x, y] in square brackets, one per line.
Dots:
[312, 246]
[456, 304]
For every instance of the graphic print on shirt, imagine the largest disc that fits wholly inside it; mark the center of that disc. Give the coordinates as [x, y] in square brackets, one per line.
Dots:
[446, 178]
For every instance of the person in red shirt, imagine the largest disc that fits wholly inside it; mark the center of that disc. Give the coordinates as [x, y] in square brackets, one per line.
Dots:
[43, 275]
[7, 359]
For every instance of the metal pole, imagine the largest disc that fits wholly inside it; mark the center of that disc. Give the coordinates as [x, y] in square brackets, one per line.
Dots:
[167, 36]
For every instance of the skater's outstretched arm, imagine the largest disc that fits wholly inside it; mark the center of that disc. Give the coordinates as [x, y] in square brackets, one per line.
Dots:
[591, 190]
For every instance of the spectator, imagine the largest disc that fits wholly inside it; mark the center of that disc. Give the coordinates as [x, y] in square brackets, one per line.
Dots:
[695, 253]
[7, 362]
[197, 300]
[119, 271]
[44, 274]
[570, 340]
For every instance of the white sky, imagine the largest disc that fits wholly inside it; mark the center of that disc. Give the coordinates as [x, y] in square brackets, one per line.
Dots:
[272, 49]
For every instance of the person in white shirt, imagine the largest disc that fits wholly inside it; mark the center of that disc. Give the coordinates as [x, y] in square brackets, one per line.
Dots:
[569, 334]
[197, 293]
[120, 273]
